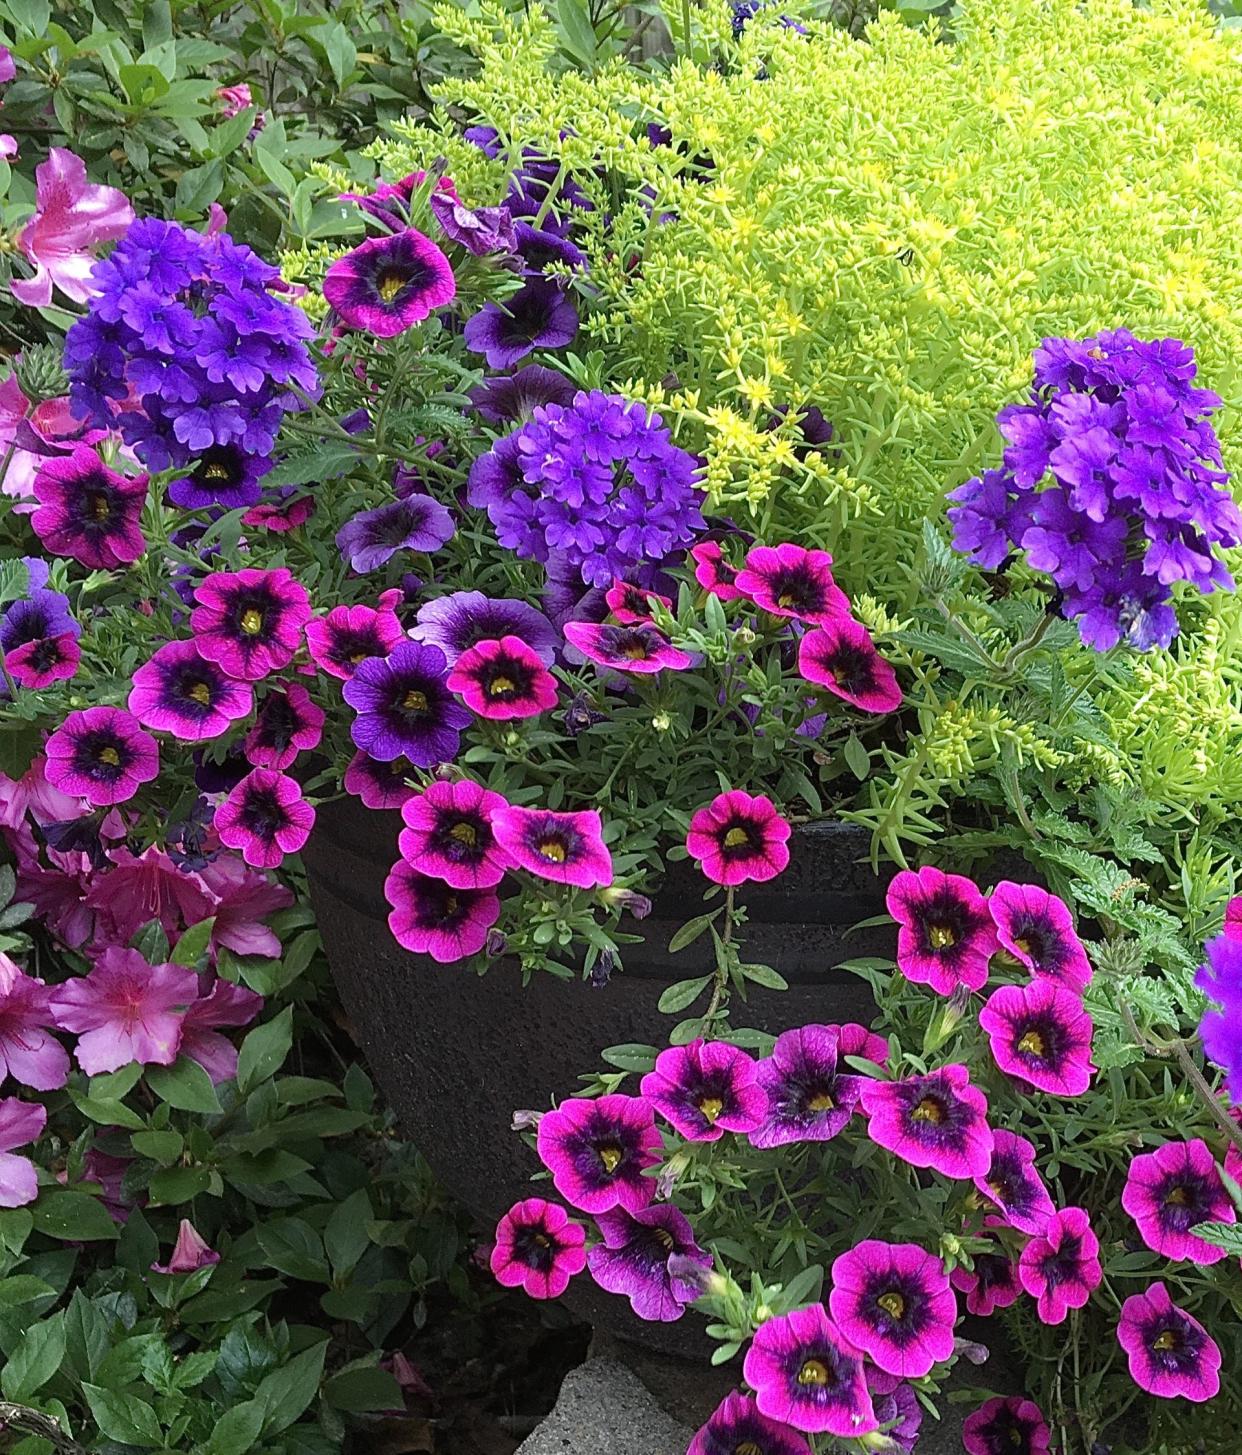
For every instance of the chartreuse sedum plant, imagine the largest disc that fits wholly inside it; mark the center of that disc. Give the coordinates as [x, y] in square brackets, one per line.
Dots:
[884, 228]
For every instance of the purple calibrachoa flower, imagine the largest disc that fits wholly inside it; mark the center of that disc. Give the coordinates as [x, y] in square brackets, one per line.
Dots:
[89, 512]
[736, 1425]
[266, 817]
[448, 834]
[102, 755]
[809, 1098]
[1061, 1266]
[512, 399]
[1171, 1353]
[567, 848]
[738, 837]
[641, 649]
[1220, 1030]
[1040, 1034]
[20, 1122]
[790, 581]
[287, 723]
[180, 692]
[841, 657]
[537, 316]
[371, 538]
[341, 641]
[805, 1374]
[1012, 1182]
[947, 937]
[597, 1149]
[225, 1004]
[992, 1283]
[463, 619]
[250, 622]
[28, 1053]
[1038, 931]
[190, 1252]
[897, 1411]
[430, 917]
[893, 1301]
[480, 230]
[537, 1248]
[1012, 1426]
[379, 785]
[937, 1121]
[388, 284]
[404, 708]
[1172, 1189]
[125, 1010]
[634, 1260]
[705, 1089]
[503, 680]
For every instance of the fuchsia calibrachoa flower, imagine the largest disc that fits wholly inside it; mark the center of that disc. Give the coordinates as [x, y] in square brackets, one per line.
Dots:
[341, 641]
[502, 680]
[88, 512]
[287, 723]
[125, 1010]
[809, 1098]
[856, 1040]
[597, 1149]
[641, 648]
[937, 1121]
[250, 622]
[631, 605]
[37, 664]
[893, 1301]
[1171, 1189]
[567, 848]
[791, 581]
[1012, 1426]
[1038, 931]
[1171, 1353]
[1040, 1034]
[537, 1248]
[20, 1122]
[1061, 1266]
[265, 817]
[180, 692]
[841, 657]
[379, 785]
[805, 1374]
[432, 918]
[404, 708]
[993, 1281]
[388, 284]
[706, 1089]
[713, 572]
[947, 937]
[736, 1425]
[1013, 1184]
[737, 837]
[448, 834]
[101, 755]
[634, 1259]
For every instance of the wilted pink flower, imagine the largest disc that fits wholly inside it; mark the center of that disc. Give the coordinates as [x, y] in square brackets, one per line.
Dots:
[190, 1252]
[234, 98]
[72, 217]
[20, 1122]
[125, 1010]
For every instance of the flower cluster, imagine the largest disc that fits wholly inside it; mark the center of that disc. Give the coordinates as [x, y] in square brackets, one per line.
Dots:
[188, 351]
[1133, 494]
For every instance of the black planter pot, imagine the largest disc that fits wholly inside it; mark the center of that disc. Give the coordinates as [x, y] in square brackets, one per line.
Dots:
[457, 1053]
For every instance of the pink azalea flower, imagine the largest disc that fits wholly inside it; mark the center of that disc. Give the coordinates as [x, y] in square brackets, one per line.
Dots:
[28, 1053]
[32, 794]
[20, 1122]
[226, 1005]
[245, 897]
[32, 434]
[125, 1010]
[72, 216]
[145, 887]
[189, 1253]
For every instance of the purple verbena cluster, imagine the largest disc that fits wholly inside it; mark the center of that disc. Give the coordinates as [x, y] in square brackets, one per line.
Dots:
[1111, 483]
[596, 485]
[189, 352]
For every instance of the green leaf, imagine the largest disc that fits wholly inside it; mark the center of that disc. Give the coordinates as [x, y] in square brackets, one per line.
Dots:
[123, 1417]
[1224, 1235]
[328, 462]
[107, 1111]
[142, 83]
[18, 746]
[238, 1428]
[292, 1246]
[192, 947]
[689, 932]
[577, 33]
[359, 1390]
[345, 1237]
[630, 1056]
[179, 1184]
[339, 48]
[161, 1147]
[31, 15]
[74, 1217]
[198, 187]
[287, 1392]
[857, 758]
[765, 975]
[264, 1050]
[35, 1360]
[275, 170]
[184, 1085]
[86, 1336]
[685, 992]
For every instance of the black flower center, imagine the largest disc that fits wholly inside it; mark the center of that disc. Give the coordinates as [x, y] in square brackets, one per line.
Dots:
[263, 814]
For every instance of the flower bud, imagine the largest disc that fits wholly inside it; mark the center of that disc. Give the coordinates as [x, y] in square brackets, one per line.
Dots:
[661, 722]
[496, 945]
[525, 1121]
[704, 1281]
[627, 901]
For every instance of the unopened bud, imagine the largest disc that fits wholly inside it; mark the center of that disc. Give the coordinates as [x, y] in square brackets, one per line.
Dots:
[627, 901]
[525, 1121]
[970, 1351]
[601, 971]
[661, 722]
[690, 1271]
[496, 945]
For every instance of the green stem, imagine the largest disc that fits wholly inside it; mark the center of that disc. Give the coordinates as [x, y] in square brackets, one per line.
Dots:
[722, 970]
